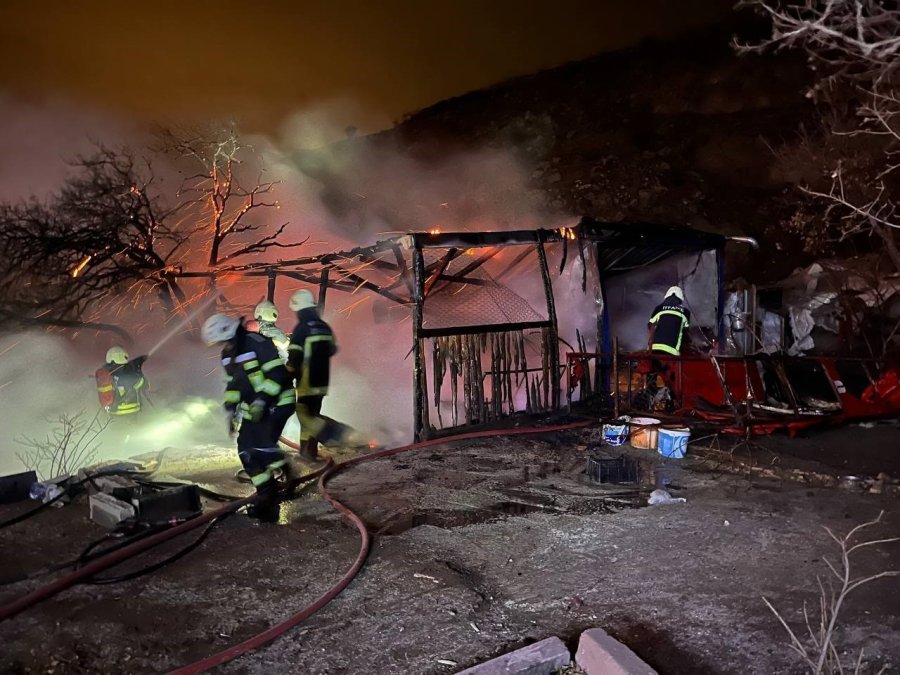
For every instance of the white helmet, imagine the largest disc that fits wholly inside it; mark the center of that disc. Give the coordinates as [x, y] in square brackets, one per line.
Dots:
[676, 291]
[117, 355]
[219, 328]
[266, 311]
[302, 299]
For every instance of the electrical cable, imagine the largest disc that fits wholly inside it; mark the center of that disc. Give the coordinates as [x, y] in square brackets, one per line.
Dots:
[162, 563]
[56, 586]
[70, 486]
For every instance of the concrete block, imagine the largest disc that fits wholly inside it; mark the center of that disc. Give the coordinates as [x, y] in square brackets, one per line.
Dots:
[600, 654]
[108, 484]
[108, 511]
[541, 658]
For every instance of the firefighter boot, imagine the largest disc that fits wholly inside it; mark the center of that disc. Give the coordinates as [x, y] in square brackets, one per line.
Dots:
[310, 450]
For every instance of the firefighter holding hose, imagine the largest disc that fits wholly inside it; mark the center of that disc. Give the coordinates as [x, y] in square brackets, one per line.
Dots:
[309, 360]
[259, 399]
[121, 382]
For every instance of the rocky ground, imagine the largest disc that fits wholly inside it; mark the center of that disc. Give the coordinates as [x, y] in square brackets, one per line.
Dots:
[480, 547]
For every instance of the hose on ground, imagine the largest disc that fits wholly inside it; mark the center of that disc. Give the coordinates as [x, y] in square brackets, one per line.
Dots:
[92, 568]
[277, 630]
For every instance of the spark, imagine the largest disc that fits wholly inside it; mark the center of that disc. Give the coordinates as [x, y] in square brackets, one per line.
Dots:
[80, 266]
[14, 344]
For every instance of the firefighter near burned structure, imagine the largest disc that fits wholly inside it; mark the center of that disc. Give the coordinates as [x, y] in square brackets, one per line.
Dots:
[309, 360]
[265, 315]
[668, 323]
[259, 399]
[121, 384]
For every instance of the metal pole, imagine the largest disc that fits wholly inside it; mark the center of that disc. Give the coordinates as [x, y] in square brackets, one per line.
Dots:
[553, 337]
[418, 365]
[615, 377]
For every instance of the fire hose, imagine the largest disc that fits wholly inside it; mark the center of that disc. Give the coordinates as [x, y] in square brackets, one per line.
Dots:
[324, 474]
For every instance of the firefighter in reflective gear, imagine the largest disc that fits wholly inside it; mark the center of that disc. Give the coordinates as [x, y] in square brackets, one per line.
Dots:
[259, 399]
[121, 382]
[309, 355]
[266, 314]
[669, 321]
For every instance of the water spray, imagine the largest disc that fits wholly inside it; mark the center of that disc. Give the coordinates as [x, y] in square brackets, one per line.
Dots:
[181, 324]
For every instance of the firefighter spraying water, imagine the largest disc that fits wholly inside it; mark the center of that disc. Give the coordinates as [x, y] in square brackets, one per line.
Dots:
[121, 383]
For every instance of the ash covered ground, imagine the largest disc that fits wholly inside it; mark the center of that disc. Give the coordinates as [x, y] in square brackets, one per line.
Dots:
[481, 547]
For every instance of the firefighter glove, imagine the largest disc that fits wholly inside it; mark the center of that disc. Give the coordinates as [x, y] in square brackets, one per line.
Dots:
[233, 421]
[257, 410]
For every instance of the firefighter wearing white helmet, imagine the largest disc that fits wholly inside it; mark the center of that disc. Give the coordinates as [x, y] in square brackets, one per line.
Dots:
[259, 399]
[669, 321]
[309, 361]
[266, 314]
[121, 382]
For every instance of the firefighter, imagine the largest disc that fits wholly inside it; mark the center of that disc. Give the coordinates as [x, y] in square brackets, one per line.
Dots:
[259, 399]
[121, 382]
[266, 314]
[309, 354]
[669, 321]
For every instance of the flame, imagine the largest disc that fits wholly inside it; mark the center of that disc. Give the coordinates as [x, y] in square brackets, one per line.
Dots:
[434, 230]
[568, 233]
[75, 271]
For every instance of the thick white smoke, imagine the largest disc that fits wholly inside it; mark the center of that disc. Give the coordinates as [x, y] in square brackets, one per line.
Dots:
[339, 195]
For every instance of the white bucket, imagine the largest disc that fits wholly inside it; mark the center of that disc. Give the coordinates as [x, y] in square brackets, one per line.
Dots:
[673, 442]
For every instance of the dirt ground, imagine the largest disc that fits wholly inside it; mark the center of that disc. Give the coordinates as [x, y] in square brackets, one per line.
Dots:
[481, 547]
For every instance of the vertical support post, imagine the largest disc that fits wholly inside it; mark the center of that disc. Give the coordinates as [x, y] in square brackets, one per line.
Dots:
[553, 337]
[270, 289]
[615, 378]
[420, 419]
[323, 288]
[720, 301]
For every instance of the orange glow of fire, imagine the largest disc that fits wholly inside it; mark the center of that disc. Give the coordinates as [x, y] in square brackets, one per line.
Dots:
[568, 232]
[434, 230]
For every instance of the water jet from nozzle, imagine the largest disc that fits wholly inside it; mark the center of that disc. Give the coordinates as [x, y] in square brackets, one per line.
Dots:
[181, 324]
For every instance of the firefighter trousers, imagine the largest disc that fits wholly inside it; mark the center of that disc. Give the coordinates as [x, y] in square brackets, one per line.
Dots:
[258, 448]
[313, 425]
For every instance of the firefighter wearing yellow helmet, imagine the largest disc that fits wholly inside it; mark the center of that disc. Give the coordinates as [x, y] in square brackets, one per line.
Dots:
[266, 314]
[120, 382]
[309, 361]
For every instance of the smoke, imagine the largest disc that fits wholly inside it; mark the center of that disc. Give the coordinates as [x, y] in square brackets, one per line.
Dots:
[339, 195]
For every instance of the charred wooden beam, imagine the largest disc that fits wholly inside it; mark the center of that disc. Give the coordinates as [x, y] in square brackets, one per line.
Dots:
[553, 334]
[482, 328]
[439, 270]
[420, 385]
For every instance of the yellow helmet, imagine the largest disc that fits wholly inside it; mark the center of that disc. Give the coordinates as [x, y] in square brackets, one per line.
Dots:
[266, 311]
[117, 355]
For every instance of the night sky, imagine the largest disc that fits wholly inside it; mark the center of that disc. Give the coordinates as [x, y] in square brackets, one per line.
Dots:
[365, 63]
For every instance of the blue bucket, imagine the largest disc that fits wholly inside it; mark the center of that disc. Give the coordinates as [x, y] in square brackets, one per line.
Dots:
[673, 442]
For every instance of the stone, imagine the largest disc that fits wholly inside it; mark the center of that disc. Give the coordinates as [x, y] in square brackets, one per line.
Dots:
[600, 654]
[541, 658]
[108, 511]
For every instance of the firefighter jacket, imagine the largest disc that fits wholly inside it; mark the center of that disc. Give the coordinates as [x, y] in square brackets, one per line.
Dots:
[309, 353]
[254, 370]
[670, 319]
[119, 386]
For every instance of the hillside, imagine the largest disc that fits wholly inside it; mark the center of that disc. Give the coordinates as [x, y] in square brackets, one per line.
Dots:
[680, 132]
